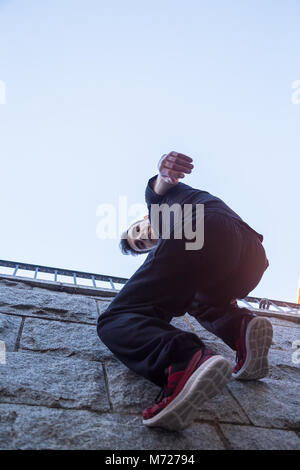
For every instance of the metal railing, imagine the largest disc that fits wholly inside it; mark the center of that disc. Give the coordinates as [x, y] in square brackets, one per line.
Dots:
[74, 275]
[253, 303]
[270, 304]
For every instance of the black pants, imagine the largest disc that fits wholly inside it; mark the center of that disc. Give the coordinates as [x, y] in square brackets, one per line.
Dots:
[147, 344]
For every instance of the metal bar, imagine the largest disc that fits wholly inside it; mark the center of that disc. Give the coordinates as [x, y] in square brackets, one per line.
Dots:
[287, 306]
[16, 269]
[93, 281]
[277, 306]
[36, 273]
[277, 302]
[247, 303]
[55, 276]
[64, 272]
[74, 278]
[111, 283]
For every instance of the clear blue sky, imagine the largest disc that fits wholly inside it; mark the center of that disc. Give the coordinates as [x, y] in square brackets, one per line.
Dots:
[98, 90]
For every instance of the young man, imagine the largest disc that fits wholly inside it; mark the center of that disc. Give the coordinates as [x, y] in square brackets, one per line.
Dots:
[204, 282]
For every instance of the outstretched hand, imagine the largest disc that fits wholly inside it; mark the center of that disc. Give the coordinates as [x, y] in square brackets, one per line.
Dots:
[173, 166]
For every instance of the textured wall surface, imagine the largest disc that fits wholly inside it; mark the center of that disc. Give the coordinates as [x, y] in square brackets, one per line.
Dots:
[61, 388]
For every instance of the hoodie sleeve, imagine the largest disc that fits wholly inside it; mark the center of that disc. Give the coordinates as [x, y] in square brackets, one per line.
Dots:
[172, 195]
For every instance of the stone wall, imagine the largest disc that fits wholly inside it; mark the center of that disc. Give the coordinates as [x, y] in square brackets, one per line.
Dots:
[61, 388]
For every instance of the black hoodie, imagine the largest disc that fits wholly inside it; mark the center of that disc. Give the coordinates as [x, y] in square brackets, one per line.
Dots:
[166, 282]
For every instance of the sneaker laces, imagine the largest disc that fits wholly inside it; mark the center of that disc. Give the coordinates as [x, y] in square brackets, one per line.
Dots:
[173, 373]
[173, 379]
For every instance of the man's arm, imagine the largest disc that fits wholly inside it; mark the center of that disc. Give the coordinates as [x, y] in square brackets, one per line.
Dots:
[172, 167]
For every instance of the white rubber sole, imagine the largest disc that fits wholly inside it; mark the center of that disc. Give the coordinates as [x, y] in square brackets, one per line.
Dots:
[206, 382]
[259, 336]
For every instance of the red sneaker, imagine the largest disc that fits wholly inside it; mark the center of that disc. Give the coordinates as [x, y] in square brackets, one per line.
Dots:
[252, 349]
[187, 389]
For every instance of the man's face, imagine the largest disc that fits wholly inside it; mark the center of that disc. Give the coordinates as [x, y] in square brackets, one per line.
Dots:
[141, 236]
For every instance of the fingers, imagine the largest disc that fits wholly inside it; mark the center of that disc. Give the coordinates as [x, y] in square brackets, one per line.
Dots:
[171, 173]
[178, 157]
[181, 156]
[177, 167]
[176, 163]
